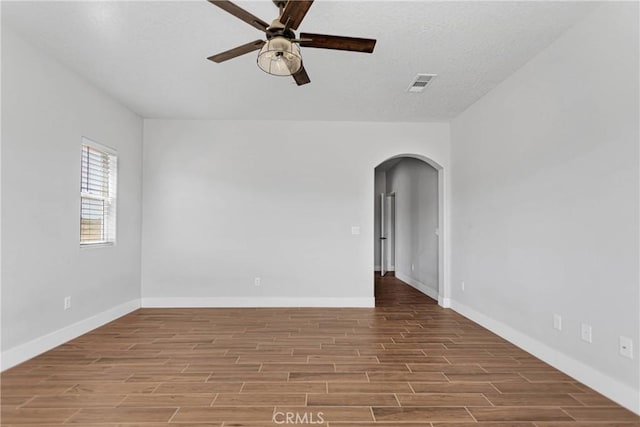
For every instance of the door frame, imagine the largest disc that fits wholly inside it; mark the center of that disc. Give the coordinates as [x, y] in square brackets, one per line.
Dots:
[444, 256]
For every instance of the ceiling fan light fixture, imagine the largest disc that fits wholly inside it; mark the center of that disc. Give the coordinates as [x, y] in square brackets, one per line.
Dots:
[280, 57]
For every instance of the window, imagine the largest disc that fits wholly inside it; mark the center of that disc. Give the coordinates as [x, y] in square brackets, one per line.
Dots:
[98, 184]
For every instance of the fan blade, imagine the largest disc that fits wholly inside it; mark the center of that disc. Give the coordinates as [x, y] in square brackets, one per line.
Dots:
[240, 13]
[337, 42]
[294, 12]
[301, 77]
[237, 51]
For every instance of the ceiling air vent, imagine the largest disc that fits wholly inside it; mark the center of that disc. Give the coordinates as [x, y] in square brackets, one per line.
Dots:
[421, 82]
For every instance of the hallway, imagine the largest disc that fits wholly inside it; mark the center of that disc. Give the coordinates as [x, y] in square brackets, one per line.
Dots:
[391, 292]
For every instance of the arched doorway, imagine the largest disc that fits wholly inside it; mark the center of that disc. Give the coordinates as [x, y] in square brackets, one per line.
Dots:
[409, 223]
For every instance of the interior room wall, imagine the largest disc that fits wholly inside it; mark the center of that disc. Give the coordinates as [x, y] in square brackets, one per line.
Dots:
[46, 110]
[545, 203]
[415, 184]
[226, 202]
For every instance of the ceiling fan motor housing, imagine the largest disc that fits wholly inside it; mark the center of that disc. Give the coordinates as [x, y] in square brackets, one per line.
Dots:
[280, 32]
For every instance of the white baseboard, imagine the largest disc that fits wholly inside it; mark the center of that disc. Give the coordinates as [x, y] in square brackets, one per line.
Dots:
[613, 389]
[444, 302]
[23, 352]
[183, 302]
[425, 289]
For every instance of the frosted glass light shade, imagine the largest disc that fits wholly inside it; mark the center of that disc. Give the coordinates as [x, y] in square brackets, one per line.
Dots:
[280, 57]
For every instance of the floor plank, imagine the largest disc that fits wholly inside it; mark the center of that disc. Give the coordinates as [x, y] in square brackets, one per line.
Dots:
[519, 414]
[421, 414]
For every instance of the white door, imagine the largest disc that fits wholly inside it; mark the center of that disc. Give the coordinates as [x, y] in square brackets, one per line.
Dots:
[390, 232]
[387, 232]
[383, 260]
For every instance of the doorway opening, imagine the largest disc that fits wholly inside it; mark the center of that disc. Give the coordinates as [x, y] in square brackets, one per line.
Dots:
[407, 220]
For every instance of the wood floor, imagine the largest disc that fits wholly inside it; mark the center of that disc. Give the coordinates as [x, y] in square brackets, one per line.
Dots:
[405, 363]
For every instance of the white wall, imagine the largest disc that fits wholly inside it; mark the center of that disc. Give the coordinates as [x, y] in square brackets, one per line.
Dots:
[545, 203]
[416, 186]
[46, 110]
[227, 201]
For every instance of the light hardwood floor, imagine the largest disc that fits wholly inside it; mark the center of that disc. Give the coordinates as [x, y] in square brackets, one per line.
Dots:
[405, 363]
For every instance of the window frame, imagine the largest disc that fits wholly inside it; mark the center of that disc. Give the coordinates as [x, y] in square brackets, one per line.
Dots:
[111, 200]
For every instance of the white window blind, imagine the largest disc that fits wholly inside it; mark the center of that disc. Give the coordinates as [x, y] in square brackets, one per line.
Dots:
[98, 186]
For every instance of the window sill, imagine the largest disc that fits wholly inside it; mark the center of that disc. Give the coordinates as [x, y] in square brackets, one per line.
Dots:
[96, 245]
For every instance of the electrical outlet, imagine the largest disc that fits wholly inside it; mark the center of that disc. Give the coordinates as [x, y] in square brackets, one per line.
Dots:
[626, 347]
[557, 322]
[462, 285]
[355, 230]
[67, 303]
[585, 332]
[256, 281]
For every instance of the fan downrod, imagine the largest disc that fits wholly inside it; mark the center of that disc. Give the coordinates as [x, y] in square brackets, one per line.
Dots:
[281, 5]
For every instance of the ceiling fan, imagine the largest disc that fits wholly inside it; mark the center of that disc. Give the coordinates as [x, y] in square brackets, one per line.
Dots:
[279, 53]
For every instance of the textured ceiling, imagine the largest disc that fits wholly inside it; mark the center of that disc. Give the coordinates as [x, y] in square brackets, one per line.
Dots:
[151, 56]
